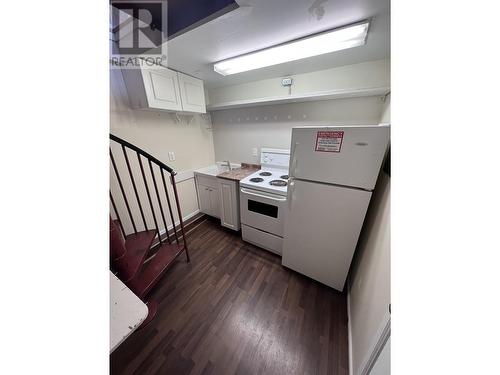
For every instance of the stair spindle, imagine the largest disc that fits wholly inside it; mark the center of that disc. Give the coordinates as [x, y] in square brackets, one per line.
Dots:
[172, 177]
[159, 200]
[122, 190]
[149, 197]
[135, 188]
[169, 205]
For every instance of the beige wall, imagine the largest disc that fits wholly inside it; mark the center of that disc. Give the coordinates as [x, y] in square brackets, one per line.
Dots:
[237, 131]
[386, 110]
[369, 285]
[367, 75]
[370, 281]
[158, 133]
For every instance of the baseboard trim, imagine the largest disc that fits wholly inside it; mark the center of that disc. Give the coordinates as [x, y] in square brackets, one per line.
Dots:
[383, 334]
[189, 221]
[349, 329]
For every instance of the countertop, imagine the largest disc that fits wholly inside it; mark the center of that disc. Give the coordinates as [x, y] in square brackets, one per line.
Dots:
[237, 173]
[216, 169]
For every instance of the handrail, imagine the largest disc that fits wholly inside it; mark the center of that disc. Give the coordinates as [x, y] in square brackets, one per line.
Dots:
[143, 153]
[143, 276]
[162, 167]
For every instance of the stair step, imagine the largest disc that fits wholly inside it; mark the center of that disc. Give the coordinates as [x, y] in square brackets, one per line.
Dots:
[116, 241]
[137, 246]
[154, 269]
[119, 226]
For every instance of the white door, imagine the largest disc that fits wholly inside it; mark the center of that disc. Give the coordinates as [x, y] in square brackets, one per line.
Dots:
[214, 202]
[322, 229]
[347, 155]
[230, 215]
[192, 94]
[162, 88]
[204, 199]
[261, 210]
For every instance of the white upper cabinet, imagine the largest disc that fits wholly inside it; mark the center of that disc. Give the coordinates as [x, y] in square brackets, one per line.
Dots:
[192, 93]
[161, 88]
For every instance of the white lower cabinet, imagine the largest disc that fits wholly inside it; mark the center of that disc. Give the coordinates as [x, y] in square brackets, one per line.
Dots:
[204, 199]
[230, 204]
[214, 202]
[208, 189]
[219, 197]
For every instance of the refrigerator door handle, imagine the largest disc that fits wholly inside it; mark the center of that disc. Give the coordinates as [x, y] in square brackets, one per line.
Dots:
[291, 185]
[293, 164]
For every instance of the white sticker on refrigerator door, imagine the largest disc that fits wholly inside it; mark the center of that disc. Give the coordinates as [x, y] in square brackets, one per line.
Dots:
[329, 141]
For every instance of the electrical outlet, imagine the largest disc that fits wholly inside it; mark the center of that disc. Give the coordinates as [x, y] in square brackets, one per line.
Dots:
[254, 151]
[171, 156]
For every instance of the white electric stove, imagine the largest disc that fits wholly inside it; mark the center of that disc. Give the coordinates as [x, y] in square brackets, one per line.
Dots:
[263, 201]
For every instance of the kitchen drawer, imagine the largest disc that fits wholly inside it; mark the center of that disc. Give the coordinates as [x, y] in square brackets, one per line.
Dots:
[262, 239]
[212, 182]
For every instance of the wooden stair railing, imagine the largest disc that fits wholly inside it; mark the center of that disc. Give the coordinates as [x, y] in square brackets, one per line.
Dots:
[129, 251]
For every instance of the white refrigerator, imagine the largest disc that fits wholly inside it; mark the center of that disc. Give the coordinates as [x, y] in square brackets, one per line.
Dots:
[333, 171]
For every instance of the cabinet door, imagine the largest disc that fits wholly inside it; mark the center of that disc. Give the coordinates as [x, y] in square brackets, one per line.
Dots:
[204, 199]
[214, 202]
[192, 94]
[162, 88]
[230, 217]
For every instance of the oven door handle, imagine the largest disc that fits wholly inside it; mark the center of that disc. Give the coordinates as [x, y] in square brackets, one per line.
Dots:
[245, 191]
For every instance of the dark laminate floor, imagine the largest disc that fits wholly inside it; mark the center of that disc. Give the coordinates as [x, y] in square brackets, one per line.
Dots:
[235, 310]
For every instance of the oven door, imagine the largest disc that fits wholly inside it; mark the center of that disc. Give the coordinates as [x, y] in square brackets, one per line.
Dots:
[262, 210]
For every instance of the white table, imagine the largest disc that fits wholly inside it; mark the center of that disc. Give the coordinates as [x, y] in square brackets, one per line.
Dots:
[127, 312]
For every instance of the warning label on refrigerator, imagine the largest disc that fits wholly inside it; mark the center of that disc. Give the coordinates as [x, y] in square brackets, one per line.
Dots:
[329, 141]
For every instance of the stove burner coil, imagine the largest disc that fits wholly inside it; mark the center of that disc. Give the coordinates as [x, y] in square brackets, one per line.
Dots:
[284, 177]
[278, 183]
[265, 174]
[256, 179]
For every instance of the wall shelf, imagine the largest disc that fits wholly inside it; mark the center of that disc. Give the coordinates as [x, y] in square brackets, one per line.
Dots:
[297, 98]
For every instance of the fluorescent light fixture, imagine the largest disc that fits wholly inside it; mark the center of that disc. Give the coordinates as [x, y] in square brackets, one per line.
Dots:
[325, 42]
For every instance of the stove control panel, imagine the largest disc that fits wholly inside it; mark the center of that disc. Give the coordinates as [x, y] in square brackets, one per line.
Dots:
[275, 157]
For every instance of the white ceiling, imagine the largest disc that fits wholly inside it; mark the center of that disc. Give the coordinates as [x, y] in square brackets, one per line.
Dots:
[262, 23]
